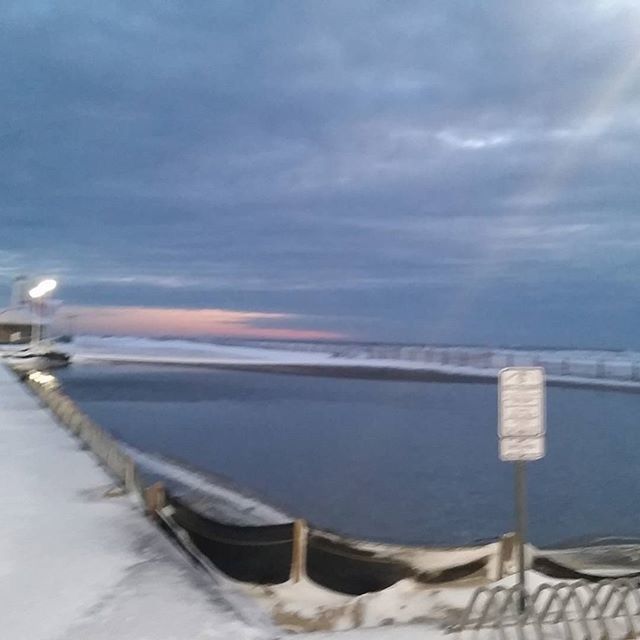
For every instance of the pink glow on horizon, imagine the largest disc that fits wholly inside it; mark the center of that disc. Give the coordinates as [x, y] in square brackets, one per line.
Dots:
[159, 321]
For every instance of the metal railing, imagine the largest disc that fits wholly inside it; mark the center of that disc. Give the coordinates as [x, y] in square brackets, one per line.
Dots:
[595, 365]
[580, 610]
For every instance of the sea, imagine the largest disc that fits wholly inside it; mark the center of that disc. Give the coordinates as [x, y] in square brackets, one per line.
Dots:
[394, 461]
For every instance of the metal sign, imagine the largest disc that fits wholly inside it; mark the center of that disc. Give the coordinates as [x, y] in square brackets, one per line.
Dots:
[521, 402]
[521, 449]
[521, 429]
[521, 407]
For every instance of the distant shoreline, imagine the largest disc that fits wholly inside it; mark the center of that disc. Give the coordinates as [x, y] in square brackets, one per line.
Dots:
[367, 372]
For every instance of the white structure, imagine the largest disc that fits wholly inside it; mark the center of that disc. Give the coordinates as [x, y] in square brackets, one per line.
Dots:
[20, 292]
[19, 322]
[16, 325]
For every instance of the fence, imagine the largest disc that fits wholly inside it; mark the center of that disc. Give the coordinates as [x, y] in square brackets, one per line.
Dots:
[90, 434]
[617, 366]
[274, 554]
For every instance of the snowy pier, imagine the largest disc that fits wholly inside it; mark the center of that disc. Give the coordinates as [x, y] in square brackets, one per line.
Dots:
[80, 561]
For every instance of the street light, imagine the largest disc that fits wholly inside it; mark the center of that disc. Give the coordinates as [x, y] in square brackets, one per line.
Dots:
[42, 288]
[39, 291]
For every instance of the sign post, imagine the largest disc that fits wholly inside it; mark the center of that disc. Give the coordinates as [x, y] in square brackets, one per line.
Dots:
[521, 432]
[521, 528]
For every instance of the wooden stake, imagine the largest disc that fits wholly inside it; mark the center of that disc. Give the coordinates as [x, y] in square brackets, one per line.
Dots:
[299, 551]
[155, 498]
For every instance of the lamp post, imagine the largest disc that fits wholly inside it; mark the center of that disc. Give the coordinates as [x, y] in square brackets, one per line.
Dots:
[36, 294]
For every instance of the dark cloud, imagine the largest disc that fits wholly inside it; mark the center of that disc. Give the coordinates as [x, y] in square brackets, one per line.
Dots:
[402, 169]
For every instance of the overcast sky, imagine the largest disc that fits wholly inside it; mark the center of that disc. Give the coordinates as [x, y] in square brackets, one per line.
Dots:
[410, 170]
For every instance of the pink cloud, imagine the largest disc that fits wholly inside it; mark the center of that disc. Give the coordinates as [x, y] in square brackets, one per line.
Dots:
[158, 321]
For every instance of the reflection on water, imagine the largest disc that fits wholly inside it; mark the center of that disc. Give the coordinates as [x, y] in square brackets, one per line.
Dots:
[399, 461]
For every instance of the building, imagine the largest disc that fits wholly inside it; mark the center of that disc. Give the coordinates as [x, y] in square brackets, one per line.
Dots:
[15, 325]
[18, 321]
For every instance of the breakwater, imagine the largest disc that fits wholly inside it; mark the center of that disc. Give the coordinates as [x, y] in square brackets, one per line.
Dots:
[573, 367]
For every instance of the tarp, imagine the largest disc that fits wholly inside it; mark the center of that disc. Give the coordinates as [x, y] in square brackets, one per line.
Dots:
[342, 567]
[261, 554]
[556, 570]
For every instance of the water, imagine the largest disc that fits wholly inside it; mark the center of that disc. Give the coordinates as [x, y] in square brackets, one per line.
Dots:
[408, 462]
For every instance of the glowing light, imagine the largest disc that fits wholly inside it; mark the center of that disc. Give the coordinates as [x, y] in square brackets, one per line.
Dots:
[42, 288]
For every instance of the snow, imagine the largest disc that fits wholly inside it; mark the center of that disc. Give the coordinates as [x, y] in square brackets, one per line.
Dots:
[355, 359]
[223, 503]
[148, 350]
[306, 605]
[404, 611]
[76, 564]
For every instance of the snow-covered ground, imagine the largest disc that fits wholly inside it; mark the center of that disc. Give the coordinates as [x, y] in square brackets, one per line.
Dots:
[77, 565]
[115, 349]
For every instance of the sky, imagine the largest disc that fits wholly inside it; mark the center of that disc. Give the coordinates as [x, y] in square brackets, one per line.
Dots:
[409, 171]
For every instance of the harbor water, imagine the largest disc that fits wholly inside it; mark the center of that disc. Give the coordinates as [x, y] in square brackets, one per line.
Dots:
[406, 462]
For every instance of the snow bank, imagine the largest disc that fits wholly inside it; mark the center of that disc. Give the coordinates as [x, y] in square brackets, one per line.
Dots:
[131, 349]
[406, 610]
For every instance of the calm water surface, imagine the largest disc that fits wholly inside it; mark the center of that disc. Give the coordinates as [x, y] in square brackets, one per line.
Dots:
[409, 462]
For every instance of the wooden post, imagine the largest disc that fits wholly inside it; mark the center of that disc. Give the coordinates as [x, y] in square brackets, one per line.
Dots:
[299, 550]
[154, 498]
[129, 475]
[507, 548]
